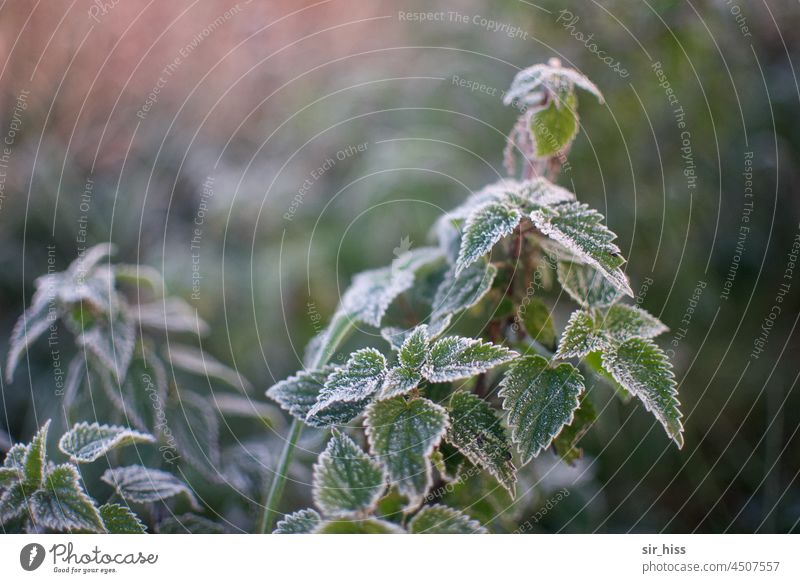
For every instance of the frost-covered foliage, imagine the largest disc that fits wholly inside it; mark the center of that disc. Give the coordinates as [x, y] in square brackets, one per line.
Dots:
[37, 495]
[120, 320]
[431, 402]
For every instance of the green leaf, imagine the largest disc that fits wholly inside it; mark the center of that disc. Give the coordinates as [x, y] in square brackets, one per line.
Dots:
[402, 435]
[34, 461]
[537, 321]
[643, 369]
[15, 458]
[477, 432]
[299, 393]
[453, 358]
[622, 322]
[111, 338]
[554, 126]
[462, 291]
[9, 476]
[485, 226]
[301, 522]
[438, 519]
[540, 401]
[581, 231]
[140, 484]
[86, 442]
[13, 503]
[121, 520]
[580, 336]
[369, 526]
[552, 77]
[415, 347]
[195, 361]
[62, 504]
[189, 524]
[195, 430]
[399, 381]
[448, 461]
[586, 285]
[346, 481]
[566, 443]
[538, 193]
[32, 323]
[355, 382]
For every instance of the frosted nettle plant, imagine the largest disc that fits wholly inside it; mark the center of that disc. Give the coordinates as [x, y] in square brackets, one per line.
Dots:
[431, 400]
[36, 495]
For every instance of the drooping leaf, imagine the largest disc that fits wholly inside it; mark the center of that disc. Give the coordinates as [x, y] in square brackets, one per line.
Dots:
[438, 519]
[579, 228]
[62, 505]
[368, 526]
[31, 325]
[346, 481]
[356, 381]
[477, 432]
[640, 366]
[402, 435]
[554, 125]
[195, 430]
[528, 83]
[189, 523]
[86, 442]
[34, 461]
[119, 519]
[112, 340]
[300, 392]
[483, 229]
[462, 291]
[453, 358]
[581, 336]
[197, 362]
[301, 522]
[540, 401]
[622, 322]
[586, 285]
[371, 292]
[538, 323]
[140, 484]
[171, 314]
[566, 443]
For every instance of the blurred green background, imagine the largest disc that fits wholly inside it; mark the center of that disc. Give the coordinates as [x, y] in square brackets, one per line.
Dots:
[359, 107]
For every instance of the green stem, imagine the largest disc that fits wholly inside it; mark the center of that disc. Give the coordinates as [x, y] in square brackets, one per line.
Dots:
[341, 325]
[279, 481]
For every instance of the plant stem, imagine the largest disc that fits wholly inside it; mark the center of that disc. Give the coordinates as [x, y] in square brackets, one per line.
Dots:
[279, 481]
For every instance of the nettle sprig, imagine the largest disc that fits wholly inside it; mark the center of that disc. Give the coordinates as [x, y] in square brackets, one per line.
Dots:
[37, 495]
[120, 321]
[432, 392]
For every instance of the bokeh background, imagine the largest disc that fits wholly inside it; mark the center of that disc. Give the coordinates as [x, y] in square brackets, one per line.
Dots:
[153, 102]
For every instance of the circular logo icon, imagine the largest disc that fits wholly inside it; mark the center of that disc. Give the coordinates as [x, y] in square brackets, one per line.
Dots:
[31, 556]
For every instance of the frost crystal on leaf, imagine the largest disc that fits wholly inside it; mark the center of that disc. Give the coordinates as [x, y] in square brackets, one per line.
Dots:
[540, 401]
[453, 358]
[642, 368]
[477, 432]
[140, 484]
[301, 522]
[356, 381]
[622, 322]
[402, 435]
[63, 505]
[461, 292]
[438, 519]
[586, 285]
[556, 79]
[415, 347]
[299, 393]
[580, 229]
[485, 226]
[399, 381]
[580, 337]
[120, 520]
[86, 442]
[346, 481]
